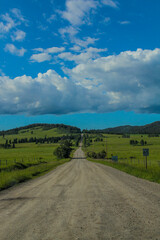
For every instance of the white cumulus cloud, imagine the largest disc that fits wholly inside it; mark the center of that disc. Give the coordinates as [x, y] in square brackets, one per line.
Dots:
[9, 21]
[76, 10]
[48, 93]
[129, 81]
[18, 35]
[6, 24]
[69, 30]
[45, 54]
[86, 55]
[40, 57]
[11, 48]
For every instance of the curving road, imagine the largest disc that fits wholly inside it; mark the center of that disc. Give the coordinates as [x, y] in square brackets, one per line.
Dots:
[81, 200]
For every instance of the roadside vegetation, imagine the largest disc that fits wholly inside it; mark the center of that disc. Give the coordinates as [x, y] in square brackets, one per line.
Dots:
[28, 152]
[125, 152]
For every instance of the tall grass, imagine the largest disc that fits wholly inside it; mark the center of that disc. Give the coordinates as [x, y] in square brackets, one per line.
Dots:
[151, 174]
[9, 178]
[130, 158]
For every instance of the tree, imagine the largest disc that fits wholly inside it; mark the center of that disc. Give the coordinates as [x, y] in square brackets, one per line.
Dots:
[64, 150]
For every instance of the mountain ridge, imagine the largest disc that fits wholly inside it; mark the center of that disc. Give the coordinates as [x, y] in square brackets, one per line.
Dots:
[152, 128]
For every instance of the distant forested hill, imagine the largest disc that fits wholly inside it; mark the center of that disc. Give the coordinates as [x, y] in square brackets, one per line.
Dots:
[153, 128]
[44, 126]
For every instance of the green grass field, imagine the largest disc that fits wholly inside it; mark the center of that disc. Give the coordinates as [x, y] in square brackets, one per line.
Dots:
[130, 158]
[28, 160]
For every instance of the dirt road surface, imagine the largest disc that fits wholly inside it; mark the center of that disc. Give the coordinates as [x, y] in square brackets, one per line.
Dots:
[81, 200]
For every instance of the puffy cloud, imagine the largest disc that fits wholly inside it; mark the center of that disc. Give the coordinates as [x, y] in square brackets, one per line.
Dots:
[18, 35]
[95, 50]
[85, 42]
[14, 51]
[6, 24]
[76, 11]
[17, 14]
[48, 93]
[40, 57]
[70, 30]
[55, 49]
[50, 50]
[129, 81]
[76, 48]
[9, 21]
[45, 54]
[87, 55]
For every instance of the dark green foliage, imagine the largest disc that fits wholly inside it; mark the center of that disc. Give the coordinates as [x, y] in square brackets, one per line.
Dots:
[135, 142]
[153, 128]
[86, 140]
[98, 139]
[77, 140]
[125, 136]
[64, 150]
[153, 135]
[42, 140]
[99, 155]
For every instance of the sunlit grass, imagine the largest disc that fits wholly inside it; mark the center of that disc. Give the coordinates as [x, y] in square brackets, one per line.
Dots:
[28, 160]
[10, 178]
[130, 158]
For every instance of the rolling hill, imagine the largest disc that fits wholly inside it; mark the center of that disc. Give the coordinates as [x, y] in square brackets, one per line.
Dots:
[61, 128]
[153, 128]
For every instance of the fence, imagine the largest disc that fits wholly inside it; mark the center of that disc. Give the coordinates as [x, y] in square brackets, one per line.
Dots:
[140, 162]
[4, 163]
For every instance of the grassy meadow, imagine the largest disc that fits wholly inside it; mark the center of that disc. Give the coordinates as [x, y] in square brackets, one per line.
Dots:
[130, 157]
[28, 160]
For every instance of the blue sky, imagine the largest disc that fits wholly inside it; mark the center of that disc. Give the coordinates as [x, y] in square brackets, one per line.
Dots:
[88, 63]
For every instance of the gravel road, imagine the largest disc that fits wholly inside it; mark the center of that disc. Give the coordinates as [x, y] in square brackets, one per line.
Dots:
[81, 200]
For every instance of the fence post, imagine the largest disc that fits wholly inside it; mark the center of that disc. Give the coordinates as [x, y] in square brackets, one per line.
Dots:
[146, 162]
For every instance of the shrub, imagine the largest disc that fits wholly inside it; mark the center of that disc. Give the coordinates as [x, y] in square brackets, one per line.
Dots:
[64, 150]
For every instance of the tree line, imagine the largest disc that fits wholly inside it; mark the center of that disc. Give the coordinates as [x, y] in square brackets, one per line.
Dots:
[11, 143]
[44, 126]
[99, 155]
[135, 142]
